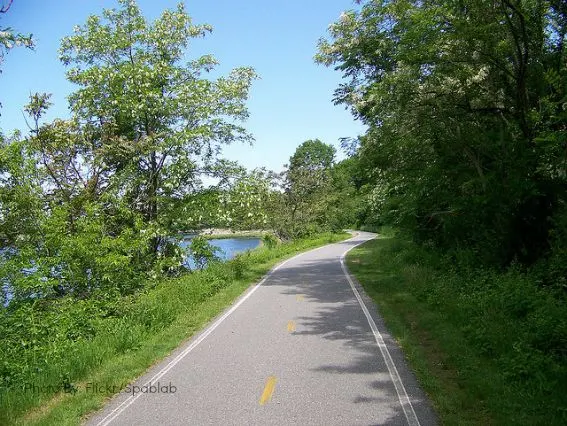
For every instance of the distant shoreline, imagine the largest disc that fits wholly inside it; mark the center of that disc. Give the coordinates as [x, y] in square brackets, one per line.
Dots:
[222, 233]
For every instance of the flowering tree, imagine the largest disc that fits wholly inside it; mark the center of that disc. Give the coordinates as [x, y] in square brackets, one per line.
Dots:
[157, 119]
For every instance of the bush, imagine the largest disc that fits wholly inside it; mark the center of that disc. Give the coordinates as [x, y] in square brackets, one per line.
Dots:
[270, 240]
[88, 255]
[238, 266]
[202, 251]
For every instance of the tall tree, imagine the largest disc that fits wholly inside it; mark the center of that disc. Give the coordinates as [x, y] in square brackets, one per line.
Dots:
[158, 119]
[307, 177]
[308, 168]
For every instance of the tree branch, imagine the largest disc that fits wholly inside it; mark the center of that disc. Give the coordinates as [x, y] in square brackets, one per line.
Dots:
[4, 9]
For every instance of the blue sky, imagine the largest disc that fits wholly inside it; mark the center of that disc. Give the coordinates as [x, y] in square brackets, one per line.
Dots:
[292, 102]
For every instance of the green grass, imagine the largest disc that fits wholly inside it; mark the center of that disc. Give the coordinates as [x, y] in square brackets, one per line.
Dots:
[143, 330]
[488, 347]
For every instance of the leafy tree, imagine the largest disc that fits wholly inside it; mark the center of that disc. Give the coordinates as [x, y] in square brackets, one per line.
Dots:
[344, 201]
[246, 203]
[459, 98]
[71, 164]
[155, 120]
[202, 251]
[90, 204]
[20, 202]
[300, 208]
[312, 155]
[308, 174]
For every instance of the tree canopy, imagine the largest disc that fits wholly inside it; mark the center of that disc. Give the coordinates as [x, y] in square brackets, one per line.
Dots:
[156, 118]
[465, 103]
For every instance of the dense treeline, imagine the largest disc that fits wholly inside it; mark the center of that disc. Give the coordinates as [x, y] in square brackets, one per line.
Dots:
[317, 193]
[466, 153]
[465, 103]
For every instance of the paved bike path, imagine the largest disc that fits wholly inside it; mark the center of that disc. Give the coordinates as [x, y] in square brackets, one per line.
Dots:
[305, 347]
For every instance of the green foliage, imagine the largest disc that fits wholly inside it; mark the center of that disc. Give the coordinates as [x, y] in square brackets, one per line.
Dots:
[20, 203]
[307, 192]
[245, 204]
[99, 254]
[238, 202]
[68, 339]
[465, 152]
[156, 119]
[345, 199]
[202, 251]
[10, 39]
[318, 194]
[490, 343]
[238, 264]
[270, 240]
[312, 155]
[465, 107]
[308, 174]
[90, 203]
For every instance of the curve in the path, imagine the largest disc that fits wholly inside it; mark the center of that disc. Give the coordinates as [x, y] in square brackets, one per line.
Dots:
[305, 346]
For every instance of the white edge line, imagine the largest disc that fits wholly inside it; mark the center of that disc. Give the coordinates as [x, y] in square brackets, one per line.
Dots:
[405, 402]
[131, 399]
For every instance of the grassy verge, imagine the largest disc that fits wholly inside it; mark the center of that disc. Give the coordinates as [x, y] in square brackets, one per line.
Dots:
[140, 331]
[488, 347]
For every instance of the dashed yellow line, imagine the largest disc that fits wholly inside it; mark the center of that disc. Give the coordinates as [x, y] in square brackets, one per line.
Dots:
[300, 297]
[291, 326]
[268, 390]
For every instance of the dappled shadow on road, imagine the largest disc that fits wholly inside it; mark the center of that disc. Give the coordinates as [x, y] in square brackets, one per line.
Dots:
[338, 317]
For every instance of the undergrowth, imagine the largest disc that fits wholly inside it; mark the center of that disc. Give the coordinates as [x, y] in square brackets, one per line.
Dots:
[489, 346]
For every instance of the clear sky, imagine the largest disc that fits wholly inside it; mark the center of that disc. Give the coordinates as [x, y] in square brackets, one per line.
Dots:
[292, 102]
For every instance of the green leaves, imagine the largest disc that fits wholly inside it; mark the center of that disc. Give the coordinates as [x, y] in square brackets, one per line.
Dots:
[20, 205]
[317, 194]
[10, 39]
[164, 119]
[455, 95]
[202, 251]
[90, 203]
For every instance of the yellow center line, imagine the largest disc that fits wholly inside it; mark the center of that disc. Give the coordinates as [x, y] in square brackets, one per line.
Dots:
[299, 297]
[291, 326]
[268, 390]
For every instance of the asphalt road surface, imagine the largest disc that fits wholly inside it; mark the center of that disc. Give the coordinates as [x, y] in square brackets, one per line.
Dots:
[304, 347]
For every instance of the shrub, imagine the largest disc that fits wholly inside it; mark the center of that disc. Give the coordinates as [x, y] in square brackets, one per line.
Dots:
[202, 251]
[270, 240]
[238, 265]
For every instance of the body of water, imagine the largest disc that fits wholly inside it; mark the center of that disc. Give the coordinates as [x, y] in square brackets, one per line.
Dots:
[227, 247]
